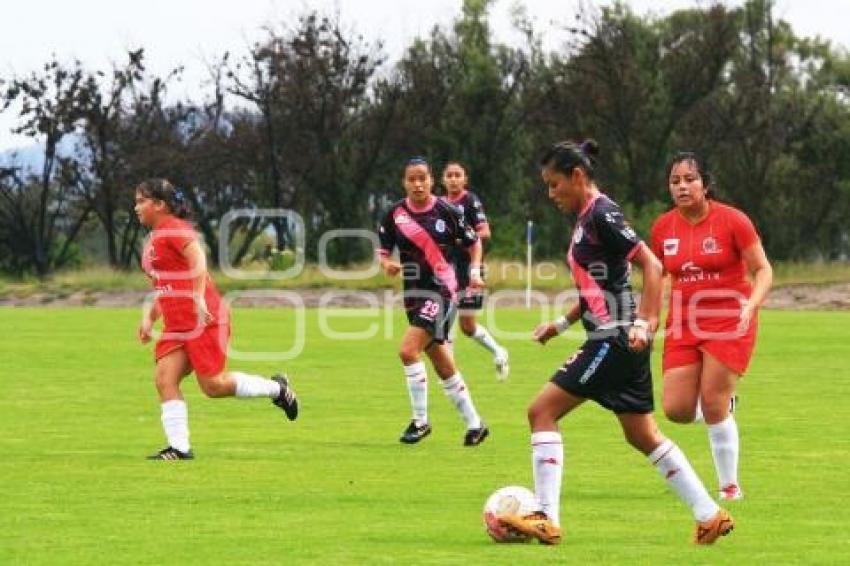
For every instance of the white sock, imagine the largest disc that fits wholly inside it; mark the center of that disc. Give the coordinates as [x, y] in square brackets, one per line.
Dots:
[674, 467]
[724, 448]
[175, 423]
[483, 337]
[458, 392]
[547, 458]
[255, 386]
[417, 386]
[698, 418]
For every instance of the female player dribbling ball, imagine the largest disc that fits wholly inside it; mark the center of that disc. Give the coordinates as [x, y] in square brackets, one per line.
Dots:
[196, 323]
[708, 248]
[426, 230]
[456, 182]
[612, 367]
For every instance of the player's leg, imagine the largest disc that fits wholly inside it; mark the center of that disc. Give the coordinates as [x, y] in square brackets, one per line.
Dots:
[480, 334]
[680, 394]
[641, 431]
[171, 367]
[457, 391]
[717, 388]
[413, 342]
[208, 356]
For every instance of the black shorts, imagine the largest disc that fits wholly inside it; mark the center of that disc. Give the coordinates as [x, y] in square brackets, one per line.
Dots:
[435, 314]
[470, 300]
[614, 376]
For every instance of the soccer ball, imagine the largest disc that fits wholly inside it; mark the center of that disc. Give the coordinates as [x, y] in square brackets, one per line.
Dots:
[511, 500]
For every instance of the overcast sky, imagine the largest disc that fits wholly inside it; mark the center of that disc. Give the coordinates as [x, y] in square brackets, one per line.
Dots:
[191, 32]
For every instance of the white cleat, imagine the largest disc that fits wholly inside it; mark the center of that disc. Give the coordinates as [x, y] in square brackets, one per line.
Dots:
[503, 368]
[730, 492]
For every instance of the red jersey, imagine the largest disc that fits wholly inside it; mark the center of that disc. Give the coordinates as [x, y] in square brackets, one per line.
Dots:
[706, 257]
[163, 261]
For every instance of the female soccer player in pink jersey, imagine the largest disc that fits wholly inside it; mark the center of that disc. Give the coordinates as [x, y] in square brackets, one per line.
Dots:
[709, 249]
[612, 366]
[196, 323]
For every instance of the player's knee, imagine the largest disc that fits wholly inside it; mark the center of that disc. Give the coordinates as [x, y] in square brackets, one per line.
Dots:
[215, 387]
[540, 417]
[408, 355]
[714, 408]
[467, 327]
[678, 412]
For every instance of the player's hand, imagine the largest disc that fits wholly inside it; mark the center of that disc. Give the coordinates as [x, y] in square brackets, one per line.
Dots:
[746, 316]
[204, 315]
[638, 338]
[145, 330]
[545, 332]
[476, 282]
[392, 268]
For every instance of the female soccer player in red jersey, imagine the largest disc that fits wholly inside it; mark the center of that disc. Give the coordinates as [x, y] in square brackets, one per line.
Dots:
[427, 232]
[456, 182]
[708, 248]
[196, 323]
[612, 367]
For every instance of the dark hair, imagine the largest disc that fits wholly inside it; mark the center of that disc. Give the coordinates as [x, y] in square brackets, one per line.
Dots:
[699, 163]
[417, 160]
[567, 155]
[162, 189]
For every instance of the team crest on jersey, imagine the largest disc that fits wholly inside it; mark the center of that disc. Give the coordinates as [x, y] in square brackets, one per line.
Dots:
[710, 246]
[440, 226]
[671, 246]
[401, 218]
[578, 234]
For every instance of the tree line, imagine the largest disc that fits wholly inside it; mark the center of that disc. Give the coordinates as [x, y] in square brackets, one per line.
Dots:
[313, 118]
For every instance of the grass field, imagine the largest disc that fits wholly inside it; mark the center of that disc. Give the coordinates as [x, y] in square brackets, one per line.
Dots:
[78, 413]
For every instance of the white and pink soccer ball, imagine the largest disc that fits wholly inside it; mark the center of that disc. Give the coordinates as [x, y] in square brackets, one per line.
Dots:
[510, 500]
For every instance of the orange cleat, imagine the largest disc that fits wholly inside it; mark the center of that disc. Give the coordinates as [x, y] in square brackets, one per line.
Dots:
[709, 531]
[535, 524]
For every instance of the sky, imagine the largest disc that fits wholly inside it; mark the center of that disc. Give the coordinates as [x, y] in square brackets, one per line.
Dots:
[195, 32]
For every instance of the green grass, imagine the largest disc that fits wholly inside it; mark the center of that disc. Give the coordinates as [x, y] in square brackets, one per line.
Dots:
[78, 412]
[502, 274]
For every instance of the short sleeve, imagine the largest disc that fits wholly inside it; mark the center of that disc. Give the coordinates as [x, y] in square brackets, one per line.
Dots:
[386, 234]
[466, 234]
[475, 215]
[655, 243]
[743, 231]
[178, 235]
[614, 232]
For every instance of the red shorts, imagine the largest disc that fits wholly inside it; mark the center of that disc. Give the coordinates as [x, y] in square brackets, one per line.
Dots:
[207, 352]
[685, 346]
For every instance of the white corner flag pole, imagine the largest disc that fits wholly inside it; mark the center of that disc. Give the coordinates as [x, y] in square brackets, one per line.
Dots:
[529, 236]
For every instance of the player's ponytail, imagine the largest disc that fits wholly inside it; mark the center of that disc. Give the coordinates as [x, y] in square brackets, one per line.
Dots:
[174, 198]
[567, 155]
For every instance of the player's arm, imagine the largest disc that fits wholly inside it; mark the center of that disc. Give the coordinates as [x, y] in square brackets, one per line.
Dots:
[650, 301]
[546, 331]
[197, 261]
[386, 243]
[762, 274]
[483, 230]
[150, 314]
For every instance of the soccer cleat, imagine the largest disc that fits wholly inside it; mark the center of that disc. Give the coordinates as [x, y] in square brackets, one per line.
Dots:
[172, 454]
[476, 436]
[535, 524]
[415, 432]
[709, 531]
[730, 492]
[287, 399]
[503, 368]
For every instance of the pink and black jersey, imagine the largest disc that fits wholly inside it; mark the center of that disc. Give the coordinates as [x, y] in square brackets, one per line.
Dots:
[427, 239]
[472, 210]
[600, 251]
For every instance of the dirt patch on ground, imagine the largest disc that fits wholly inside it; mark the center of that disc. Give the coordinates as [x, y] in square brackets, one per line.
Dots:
[793, 297]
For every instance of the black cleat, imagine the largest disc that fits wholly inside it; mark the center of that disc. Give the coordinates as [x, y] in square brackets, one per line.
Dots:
[476, 436]
[287, 399]
[172, 454]
[414, 433]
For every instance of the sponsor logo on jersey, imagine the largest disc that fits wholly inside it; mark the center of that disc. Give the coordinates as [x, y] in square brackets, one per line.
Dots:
[613, 217]
[629, 233]
[710, 246]
[402, 218]
[440, 226]
[671, 246]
